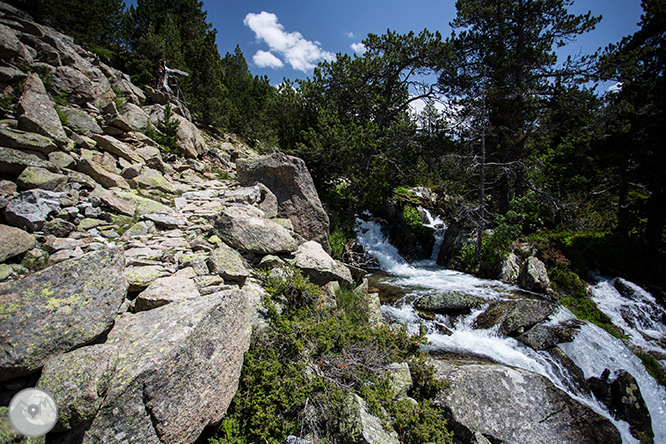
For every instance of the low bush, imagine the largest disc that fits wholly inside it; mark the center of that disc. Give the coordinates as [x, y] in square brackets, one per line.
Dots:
[300, 369]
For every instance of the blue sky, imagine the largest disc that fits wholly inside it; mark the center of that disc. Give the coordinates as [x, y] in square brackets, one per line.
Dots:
[286, 38]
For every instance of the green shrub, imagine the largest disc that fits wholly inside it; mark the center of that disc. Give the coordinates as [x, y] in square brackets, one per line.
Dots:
[166, 133]
[300, 369]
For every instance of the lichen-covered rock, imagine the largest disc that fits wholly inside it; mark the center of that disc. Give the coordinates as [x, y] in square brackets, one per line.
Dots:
[37, 112]
[290, 181]
[400, 379]
[142, 205]
[177, 370]
[79, 381]
[534, 276]
[359, 426]
[13, 242]
[517, 406]
[450, 302]
[228, 263]
[14, 161]
[101, 175]
[139, 278]
[319, 266]
[628, 404]
[242, 229]
[510, 269]
[164, 291]
[515, 316]
[36, 177]
[115, 146]
[543, 336]
[57, 309]
[81, 122]
[151, 179]
[22, 140]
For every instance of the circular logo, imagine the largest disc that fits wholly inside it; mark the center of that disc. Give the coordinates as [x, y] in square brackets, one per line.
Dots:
[33, 412]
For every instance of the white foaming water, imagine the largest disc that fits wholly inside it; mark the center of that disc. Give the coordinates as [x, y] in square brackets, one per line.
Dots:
[593, 350]
[437, 224]
[639, 315]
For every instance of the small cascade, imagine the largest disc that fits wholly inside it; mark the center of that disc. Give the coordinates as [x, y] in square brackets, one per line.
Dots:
[437, 224]
[592, 349]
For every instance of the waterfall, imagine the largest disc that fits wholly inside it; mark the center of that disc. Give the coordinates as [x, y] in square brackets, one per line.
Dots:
[593, 350]
[437, 224]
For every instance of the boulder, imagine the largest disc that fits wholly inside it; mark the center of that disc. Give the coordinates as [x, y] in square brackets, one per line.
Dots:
[9, 43]
[13, 242]
[228, 263]
[79, 381]
[173, 381]
[101, 175]
[456, 236]
[111, 201]
[544, 336]
[451, 302]
[317, 265]
[10, 75]
[57, 309]
[22, 140]
[151, 179]
[164, 291]
[142, 205]
[83, 84]
[517, 406]
[359, 426]
[37, 113]
[136, 117]
[627, 404]
[400, 379]
[167, 221]
[30, 209]
[515, 316]
[139, 278]
[510, 269]
[241, 229]
[115, 146]
[14, 161]
[534, 276]
[36, 177]
[81, 122]
[289, 180]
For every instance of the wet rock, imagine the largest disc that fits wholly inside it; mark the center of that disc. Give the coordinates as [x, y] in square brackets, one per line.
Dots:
[36, 177]
[359, 426]
[13, 242]
[243, 230]
[173, 381]
[317, 265]
[515, 316]
[59, 308]
[482, 396]
[627, 404]
[22, 140]
[290, 181]
[451, 302]
[37, 112]
[543, 336]
[30, 209]
[534, 276]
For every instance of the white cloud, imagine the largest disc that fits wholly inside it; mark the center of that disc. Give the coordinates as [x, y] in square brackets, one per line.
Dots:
[265, 59]
[359, 47]
[301, 54]
[350, 34]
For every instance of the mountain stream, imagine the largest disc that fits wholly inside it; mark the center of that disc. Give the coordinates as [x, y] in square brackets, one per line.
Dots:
[593, 349]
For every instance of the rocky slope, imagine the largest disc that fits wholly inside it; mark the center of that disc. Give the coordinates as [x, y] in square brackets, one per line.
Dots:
[127, 275]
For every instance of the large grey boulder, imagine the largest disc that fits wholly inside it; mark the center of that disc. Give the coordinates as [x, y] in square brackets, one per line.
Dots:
[450, 302]
[534, 276]
[30, 209]
[37, 113]
[243, 230]
[515, 316]
[290, 181]
[83, 84]
[175, 371]
[517, 406]
[115, 146]
[101, 175]
[36, 177]
[57, 309]
[9, 43]
[14, 241]
[317, 265]
[543, 336]
[359, 426]
[81, 122]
